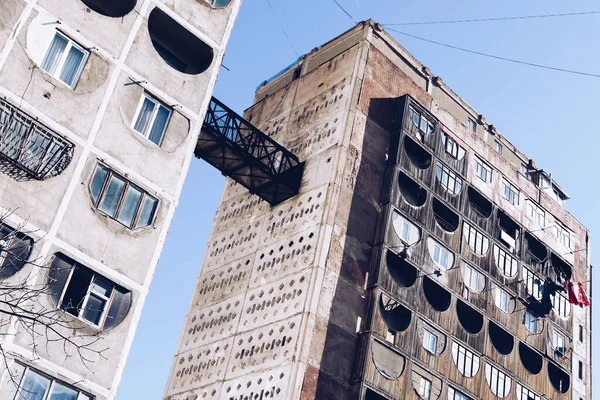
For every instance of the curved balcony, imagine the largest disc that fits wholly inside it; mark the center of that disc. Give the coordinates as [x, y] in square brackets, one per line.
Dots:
[28, 149]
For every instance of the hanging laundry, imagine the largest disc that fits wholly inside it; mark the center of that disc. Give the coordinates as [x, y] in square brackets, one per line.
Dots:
[571, 292]
[582, 298]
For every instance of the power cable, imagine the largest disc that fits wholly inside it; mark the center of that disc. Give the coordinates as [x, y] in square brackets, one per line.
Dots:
[344, 10]
[283, 29]
[512, 60]
[460, 21]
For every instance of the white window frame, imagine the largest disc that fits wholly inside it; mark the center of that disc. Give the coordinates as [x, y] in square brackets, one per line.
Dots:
[152, 120]
[561, 305]
[532, 283]
[478, 243]
[424, 122]
[471, 278]
[498, 147]
[471, 124]
[507, 264]
[563, 235]
[424, 388]
[498, 382]
[558, 342]
[53, 382]
[524, 393]
[453, 149]
[503, 299]
[440, 252]
[449, 179]
[61, 63]
[511, 192]
[465, 361]
[429, 341]
[531, 322]
[535, 213]
[454, 394]
[482, 169]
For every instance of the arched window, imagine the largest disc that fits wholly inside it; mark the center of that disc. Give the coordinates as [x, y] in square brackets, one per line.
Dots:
[441, 256]
[180, 48]
[15, 249]
[469, 318]
[531, 359]
[561, 305]
[417, 155]
[389, 363]
[503, 341]
[478, 243]
[444, 216]
[559, 379]
[401, 271]
[498, 381]
[411, 191]
[438, 297]
[454, 394]
[465, 360]
[524, 393]
[408, 232]
[449, 179]
[395, 315]
[473, 280]
[111, 8]
[508, 265]
[482, 206]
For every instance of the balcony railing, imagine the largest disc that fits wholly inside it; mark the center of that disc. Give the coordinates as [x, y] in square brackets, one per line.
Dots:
[32, 150]
[247, 155]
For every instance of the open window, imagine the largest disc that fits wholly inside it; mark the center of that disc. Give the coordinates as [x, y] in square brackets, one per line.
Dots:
[373, 395]
[403, 273]
[15, 249]
[111, 8]
[503, 341]
[86, 294]
[482, 206]
[389, 363]
[180, 48]
[469, 318]
[561, 267]
[446, 218]
[411, 191]
[509, 231]
[417, 155]
[560, 380]
[538, 253]
[395, 315]
[531, 359]
[438, 297]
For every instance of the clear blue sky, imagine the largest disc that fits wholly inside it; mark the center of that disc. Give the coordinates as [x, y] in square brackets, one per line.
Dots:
[551, 116]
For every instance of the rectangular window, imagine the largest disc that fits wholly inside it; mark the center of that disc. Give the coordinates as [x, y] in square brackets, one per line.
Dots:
[452, 148]
[429, 341]
[581, 333]
[454, 394]
[511, 192]
[498, 147]
[152, 118]
[34, 385]
[425, 125]
[449, 179]
[533, 284]
[472, 125]
[440, 256]
[563, 235]
[65, 60]
[558, 342]
[535, 213]
[483, 170]
[502, 300]
[425, 388]
[471, 278]
[580, 370]
[121, 200]
[523, 169]
[405, 231]
[531, 322]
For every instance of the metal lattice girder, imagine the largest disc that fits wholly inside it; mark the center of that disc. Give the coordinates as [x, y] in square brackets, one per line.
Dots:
[31, 147]
[247, 155]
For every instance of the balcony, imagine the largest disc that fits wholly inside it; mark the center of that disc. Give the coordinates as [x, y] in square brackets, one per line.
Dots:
[28, 149]
[247, 155]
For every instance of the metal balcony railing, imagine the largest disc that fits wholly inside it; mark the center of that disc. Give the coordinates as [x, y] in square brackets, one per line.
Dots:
[31, 150]
[247, 155]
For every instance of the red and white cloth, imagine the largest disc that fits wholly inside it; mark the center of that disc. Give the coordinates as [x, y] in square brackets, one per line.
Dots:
[576, 295]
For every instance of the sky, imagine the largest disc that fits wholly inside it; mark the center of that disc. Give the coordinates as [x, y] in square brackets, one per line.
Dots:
[547, 114]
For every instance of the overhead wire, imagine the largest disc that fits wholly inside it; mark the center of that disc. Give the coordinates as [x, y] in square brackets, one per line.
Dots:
[344, 10]
[282, 21]
[488, 55]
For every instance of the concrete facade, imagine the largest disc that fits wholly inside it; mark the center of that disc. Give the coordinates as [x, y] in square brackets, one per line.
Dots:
[290, 299]
[97, 117]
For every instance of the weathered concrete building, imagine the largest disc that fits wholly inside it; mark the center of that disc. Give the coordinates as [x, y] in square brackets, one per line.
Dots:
[101, 105]
[422, 258]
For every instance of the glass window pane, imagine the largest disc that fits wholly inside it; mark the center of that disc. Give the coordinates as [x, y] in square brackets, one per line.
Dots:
[159, 126]
[143, 118]
[147, 213]
[113, 196]
[130, 206]
[61, 392]
[98, 182]
[94, 309]
[70, 70]
[34, 386]
[34, 149]
[55, 52]
[102, 286]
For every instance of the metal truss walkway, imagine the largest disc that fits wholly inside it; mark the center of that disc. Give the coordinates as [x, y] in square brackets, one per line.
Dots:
[247, 155]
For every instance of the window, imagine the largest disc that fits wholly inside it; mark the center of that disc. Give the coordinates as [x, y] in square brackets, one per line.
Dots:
[111, 8]
[472, 125]
[421, 121]
[65, 60]
[454, 394]
[498, 382]
[533, 284]
[86, 294]
[580, 373]
[531, 322]
[560, 304]
[525, 394]
[429, 341]
[15, 249]
[558, 342]
[558, 196]
[121, 200]
[563, 235]
[218, 3]
[151, 119]
[511, 193]
[34, 385]
[477, 242]
[465, 360]
[448, 179]
[536, 213]
[498, 147]
[425, 388]
[441, 256]
[483, 170]
[523, 169]
[452, 148]
[506, 263]
[471, 277]
[581, 333]
[502, 300]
